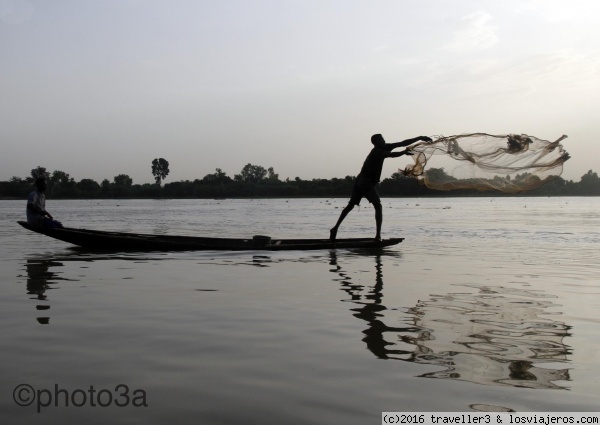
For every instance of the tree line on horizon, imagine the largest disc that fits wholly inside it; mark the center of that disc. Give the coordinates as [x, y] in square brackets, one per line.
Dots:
[257, 181]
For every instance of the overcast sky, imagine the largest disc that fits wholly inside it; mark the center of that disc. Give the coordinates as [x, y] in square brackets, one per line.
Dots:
[98, 88]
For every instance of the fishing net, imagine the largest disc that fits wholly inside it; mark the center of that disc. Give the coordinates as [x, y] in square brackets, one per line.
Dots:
[508, 163]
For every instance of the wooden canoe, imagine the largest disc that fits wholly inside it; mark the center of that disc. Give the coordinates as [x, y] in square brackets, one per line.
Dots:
[117, 241]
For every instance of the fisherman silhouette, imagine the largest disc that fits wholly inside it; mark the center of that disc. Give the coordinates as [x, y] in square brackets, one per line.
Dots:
[365, 185]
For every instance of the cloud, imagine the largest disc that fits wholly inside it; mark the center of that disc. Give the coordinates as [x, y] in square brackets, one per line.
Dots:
[476, 33]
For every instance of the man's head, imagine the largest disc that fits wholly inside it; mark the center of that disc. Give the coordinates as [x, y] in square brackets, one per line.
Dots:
[40, 183]
[377, 140]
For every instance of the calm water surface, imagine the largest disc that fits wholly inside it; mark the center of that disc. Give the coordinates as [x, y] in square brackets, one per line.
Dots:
[489, 304]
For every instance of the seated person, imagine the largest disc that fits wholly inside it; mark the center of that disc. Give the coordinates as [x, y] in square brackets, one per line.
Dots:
[37, 216]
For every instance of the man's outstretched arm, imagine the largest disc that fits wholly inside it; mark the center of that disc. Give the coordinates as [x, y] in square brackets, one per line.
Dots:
[397, 154]
[410, 141]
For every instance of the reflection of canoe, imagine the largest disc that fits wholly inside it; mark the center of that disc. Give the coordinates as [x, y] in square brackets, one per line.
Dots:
[115, 241]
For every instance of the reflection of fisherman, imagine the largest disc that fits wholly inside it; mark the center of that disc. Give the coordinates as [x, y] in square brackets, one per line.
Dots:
[471, 339]
[37, 215]
[370, 310]
[39, 278]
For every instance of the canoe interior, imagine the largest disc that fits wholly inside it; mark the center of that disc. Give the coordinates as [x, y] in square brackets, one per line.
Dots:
[119, 241]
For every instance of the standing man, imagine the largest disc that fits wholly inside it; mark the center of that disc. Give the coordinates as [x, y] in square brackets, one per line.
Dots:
[369, 176]
[37, 215]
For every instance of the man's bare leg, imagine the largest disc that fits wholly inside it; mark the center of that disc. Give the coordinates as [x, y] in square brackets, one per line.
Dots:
[334, 229]
[378, 219]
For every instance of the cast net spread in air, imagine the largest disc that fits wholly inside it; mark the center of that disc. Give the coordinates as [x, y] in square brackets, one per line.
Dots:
[509, 163]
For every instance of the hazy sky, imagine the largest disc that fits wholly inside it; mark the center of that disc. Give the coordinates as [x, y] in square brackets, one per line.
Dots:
[98, 88]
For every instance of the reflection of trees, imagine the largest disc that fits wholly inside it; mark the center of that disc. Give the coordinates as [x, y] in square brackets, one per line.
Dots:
[494, 336]
[39, 279]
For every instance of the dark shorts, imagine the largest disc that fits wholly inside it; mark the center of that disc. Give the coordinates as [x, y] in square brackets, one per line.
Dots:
[364, 188]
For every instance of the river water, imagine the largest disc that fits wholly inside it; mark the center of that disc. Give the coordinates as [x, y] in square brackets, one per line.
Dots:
[490, 304]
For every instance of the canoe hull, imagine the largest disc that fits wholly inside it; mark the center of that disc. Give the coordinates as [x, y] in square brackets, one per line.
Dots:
[116, 241]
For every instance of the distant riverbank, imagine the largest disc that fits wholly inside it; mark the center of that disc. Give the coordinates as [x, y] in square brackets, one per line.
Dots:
[219, 186]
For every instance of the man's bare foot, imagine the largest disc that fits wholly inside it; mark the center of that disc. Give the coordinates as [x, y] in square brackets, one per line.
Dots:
[332, 234]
